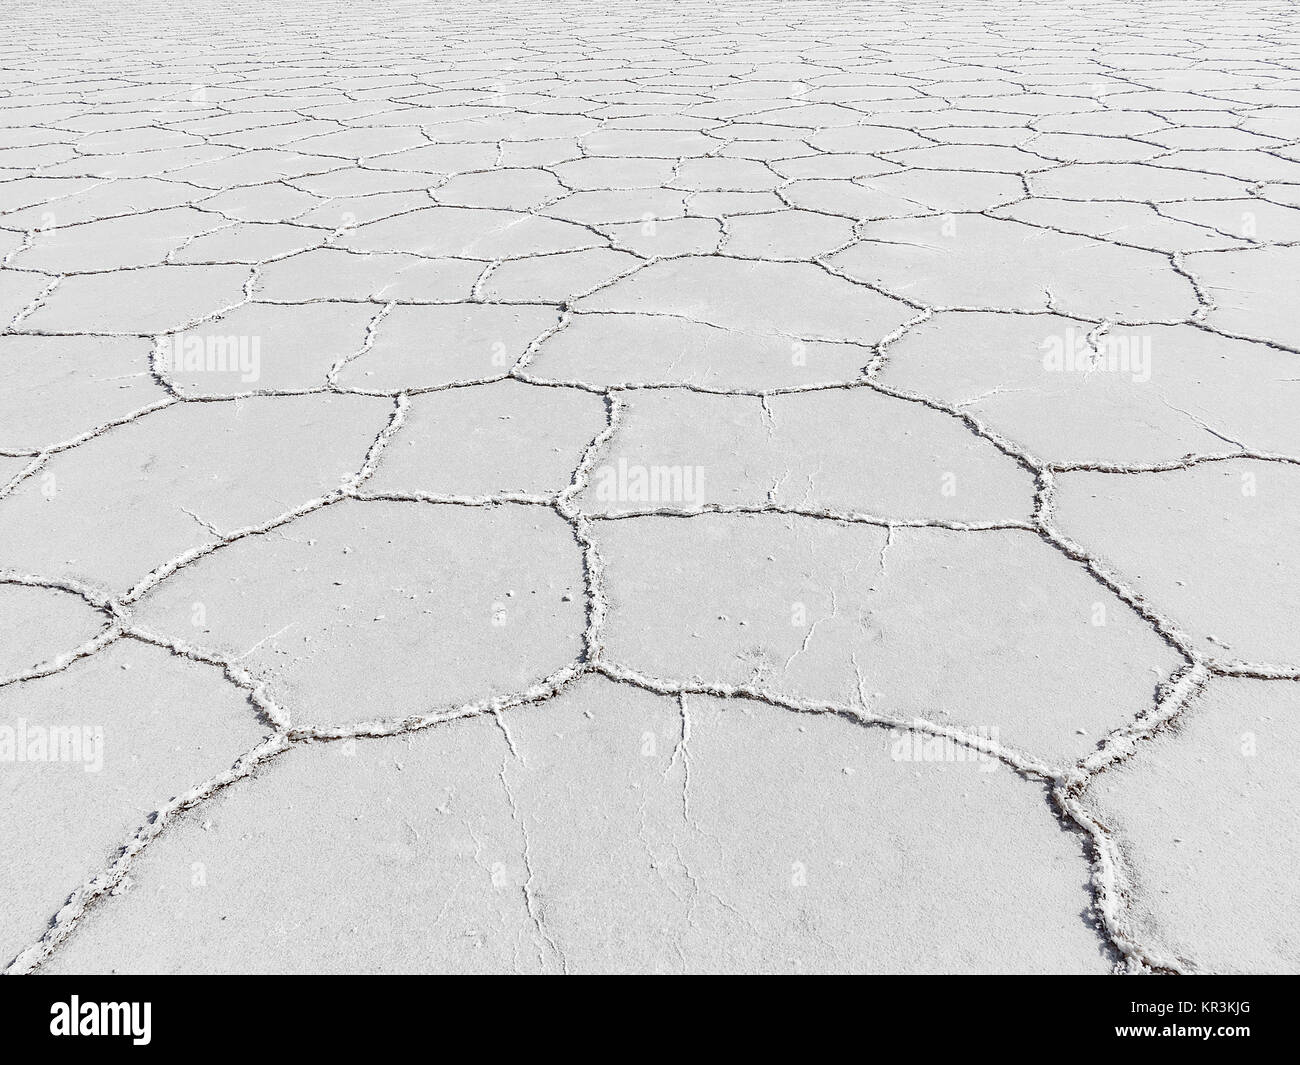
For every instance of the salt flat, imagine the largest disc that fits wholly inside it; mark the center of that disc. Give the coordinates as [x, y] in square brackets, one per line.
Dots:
[657, 487]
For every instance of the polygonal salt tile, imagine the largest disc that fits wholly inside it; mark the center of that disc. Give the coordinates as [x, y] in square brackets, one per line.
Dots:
[1200, 137]
[1246, 219]
[666, 237]
[848, 199]
[1158, 100]
[1091, 148]
[719, 204]
[429, 165]
[943, 190]
[870, 140]
[19, 293]
[556, 278]
[1030, 103]
[789, 235]
[648, 349]
[991, 158]
[1131, 181]
[41, 624]
[1204, 546]
[619, 206]
[813, 609]
[1137, 224]
[628, 172]
[249, 242]
[360, 181]
[425, 347]
[263, 346]
[1138, 394]
[813, 116]
[1249, 165]
[791, 299]
[335, 274]
[1204, 816]
[113, 508]
[360, 143]
[888, 457]
[1005, 136]
[261, 203]
[490, 603]
[134, 140]
[489, 439]
[49, 202]
[516, 126]
[55, 388]
[115, 243]
[252, 168]
[472, 233]
[345, 212]
[129, 165]
[975, 261]
[845, 165]
[467, 906]
[915, 115]
[145, 301]
[741, 175]
[543, 153]
[587, 840]
[1251, 292]
[11, 467]
[667, 144]
[517, 189]
[136, 726]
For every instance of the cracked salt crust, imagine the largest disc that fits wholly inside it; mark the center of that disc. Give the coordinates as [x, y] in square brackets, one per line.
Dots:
[179, 721]
[41, 618]
[1209, 862]
[580, 851]
[937, 666]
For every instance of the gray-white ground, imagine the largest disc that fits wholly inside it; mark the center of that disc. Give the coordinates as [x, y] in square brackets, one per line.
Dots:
[774, 486]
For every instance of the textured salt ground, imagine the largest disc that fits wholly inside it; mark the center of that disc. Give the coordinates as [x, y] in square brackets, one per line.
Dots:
[942, 657]
[1195, 848]
[596, 834]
